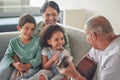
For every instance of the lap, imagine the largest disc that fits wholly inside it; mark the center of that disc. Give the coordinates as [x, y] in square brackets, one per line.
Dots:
[49, 74]
[5, 71]
[30, 73]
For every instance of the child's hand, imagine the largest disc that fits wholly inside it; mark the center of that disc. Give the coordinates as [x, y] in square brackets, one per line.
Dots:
[19, 66]
[16, 58]
[27, 66]
[55, 57]
[20, 73]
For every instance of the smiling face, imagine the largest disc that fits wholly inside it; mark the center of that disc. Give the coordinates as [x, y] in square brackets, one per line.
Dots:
[50, 16]
[26, 31]
[57, 40]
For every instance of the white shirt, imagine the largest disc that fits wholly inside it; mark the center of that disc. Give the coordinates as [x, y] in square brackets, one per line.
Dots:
[108, 61]
[47, 51]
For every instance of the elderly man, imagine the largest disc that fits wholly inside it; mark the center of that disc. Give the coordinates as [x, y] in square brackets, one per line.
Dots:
[105, 50]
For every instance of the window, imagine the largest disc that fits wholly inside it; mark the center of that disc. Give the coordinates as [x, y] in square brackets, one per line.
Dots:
[10, 10]
[37, 2]
[13, 8]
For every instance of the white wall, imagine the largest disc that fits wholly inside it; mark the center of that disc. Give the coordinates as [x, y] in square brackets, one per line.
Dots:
[108, 8]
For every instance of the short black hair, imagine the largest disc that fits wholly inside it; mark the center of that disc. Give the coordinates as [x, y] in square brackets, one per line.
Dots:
[51, 4]
[47, 32]
[27, 17]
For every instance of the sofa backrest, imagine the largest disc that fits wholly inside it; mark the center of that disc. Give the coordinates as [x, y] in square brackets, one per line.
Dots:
[4, 40]
[78, 43]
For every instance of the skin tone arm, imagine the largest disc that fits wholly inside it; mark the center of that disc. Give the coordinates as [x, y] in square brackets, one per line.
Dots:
[18, 72]
[20, 66]
[71, 71]
[47, 63]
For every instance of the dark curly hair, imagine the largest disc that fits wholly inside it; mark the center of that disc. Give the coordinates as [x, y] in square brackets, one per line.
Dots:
[47, 32]
[51, 4]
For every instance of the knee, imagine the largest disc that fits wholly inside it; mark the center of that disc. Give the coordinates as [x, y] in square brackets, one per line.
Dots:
[4, 69]
[42, 77]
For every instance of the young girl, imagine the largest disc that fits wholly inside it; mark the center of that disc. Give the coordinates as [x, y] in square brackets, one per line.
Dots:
[24, 51]
[52, 42]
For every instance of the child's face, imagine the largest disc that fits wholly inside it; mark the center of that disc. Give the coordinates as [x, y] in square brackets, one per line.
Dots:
[57, 40]
[26, 31]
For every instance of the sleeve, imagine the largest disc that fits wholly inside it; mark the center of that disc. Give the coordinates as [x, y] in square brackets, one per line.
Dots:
[44, 52]
[8, 57]
[111, 69]
[37, 60]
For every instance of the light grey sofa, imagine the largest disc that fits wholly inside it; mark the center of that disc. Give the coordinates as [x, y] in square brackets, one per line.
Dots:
[78, 43]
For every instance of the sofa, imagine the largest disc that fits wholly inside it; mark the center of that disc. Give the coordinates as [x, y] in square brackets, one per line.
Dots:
[79, 46]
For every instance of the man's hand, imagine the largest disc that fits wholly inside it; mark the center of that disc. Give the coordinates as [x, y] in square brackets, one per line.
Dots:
[68, 71]
[71, 71]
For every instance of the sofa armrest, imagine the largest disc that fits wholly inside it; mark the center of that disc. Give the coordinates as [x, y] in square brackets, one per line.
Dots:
[4, 40]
